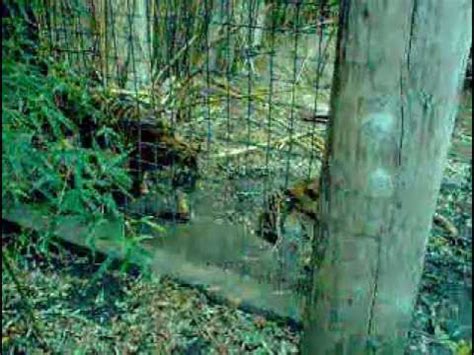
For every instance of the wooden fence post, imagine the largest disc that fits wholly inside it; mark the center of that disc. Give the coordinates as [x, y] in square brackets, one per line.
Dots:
[399, 71]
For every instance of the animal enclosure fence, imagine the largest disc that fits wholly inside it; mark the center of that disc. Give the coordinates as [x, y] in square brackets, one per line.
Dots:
[224, 105]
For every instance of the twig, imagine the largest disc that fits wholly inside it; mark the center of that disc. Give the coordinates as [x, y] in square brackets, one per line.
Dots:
[180, 53]
[261, 147]
[175, 59]
[278, 228]
[298, 77]
[446, 224]
[36, 326]
[236, 152]
[319, 142]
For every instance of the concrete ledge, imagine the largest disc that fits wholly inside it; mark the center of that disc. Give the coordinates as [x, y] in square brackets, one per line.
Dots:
[108, 238]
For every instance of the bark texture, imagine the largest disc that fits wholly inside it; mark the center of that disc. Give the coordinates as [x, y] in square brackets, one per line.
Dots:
[399, 71]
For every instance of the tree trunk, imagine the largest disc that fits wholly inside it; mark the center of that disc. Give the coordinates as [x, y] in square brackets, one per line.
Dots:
[399, 72]
[126, 36]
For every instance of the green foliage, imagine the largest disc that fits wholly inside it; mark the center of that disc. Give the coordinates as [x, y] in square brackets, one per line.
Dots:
[288, 15]
[43, 157]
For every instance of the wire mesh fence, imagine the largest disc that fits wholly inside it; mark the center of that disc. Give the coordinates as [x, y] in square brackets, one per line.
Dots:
[224, 105]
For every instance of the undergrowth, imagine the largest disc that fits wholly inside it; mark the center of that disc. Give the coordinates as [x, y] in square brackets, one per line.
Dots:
[44, 160]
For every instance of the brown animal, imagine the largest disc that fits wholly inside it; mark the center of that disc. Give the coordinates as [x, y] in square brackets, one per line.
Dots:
[156, 147]
[153, 145]
[300, 198]
[153, 142]
[160, 157]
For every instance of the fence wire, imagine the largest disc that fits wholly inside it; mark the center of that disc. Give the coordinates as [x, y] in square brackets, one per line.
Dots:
[227, 100]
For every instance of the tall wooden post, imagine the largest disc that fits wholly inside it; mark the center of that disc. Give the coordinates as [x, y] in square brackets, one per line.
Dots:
[399, 71]
[125, 36]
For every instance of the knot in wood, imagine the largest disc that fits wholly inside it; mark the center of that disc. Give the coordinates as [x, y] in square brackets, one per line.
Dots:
[378, 126]
[380, 184]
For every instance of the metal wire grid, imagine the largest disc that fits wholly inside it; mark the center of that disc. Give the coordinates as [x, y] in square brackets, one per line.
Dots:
[207, 54]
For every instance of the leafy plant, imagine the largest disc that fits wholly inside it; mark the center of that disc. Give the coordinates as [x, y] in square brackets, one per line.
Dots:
[43, 156]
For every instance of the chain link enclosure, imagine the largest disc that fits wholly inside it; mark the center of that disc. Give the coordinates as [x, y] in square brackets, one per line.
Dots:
[224, 105]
